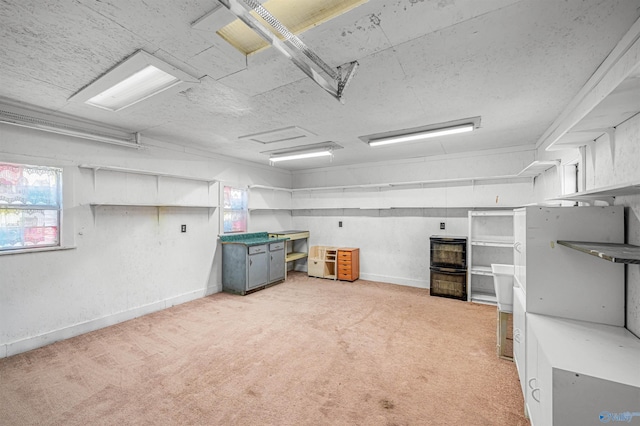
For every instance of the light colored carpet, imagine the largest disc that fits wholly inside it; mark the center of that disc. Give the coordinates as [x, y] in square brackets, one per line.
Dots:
[308, 351]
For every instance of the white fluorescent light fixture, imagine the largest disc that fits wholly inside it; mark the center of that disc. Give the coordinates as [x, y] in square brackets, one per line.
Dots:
[141, 85]
[38, 121]
[298, 156]
[137, 78]
[426, 134]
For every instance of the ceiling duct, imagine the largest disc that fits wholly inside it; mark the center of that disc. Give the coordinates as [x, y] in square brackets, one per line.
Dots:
[293, 48]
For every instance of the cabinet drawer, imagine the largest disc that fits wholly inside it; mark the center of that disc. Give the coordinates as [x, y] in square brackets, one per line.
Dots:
[276, 246]
[345, 271]
[257, 249]
[344, 255]
[344, 263]
[345, 275]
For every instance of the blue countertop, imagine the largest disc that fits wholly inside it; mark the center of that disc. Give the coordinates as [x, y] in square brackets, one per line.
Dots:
[250, 239]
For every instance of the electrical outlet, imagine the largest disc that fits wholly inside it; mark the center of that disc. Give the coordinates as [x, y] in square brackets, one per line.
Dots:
[441, 225]
[183, 228]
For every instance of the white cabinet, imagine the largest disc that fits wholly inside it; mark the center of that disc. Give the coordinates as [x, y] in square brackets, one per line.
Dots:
[579, 371]
[568, 307]
[519, 335]
[490, 241]
[563, 282]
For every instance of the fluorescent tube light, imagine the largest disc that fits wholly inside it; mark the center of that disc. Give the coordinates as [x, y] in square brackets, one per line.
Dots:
[431, 133]
[38, 122]
[301, 155]
[137, 87]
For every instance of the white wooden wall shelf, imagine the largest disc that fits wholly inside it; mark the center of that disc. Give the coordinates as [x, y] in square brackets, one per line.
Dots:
[157, 206]
[604, 194]
[196, 206]
[158, 175]
[95, 168]
[271, 188]
[616, 253]
[422, 183]
[536, 168]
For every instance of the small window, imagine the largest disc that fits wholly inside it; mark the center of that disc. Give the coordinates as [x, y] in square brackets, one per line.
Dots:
[235, 210]
[30, 206]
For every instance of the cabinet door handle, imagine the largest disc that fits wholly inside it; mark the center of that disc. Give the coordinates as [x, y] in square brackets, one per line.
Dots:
[516, 338]
[533, 394]
[533, 379]
[517, 247]
[250, 262]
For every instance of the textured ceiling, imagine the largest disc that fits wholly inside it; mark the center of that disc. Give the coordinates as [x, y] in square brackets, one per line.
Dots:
[517, 64]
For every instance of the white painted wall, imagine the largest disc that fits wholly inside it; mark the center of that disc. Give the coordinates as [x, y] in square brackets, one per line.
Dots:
[127, 261]
[605, 166]
[394, 244]
[392, 226]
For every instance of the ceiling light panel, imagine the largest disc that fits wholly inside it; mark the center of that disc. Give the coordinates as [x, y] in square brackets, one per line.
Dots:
[137, 78]
[297, 16]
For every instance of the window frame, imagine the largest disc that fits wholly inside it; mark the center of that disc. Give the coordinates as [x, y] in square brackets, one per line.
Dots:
[26, 206]
[244, 208]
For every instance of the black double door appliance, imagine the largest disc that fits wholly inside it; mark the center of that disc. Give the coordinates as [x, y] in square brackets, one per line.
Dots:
[448, 268]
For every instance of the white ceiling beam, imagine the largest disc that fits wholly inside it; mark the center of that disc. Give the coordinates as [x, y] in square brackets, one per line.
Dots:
[620, 63]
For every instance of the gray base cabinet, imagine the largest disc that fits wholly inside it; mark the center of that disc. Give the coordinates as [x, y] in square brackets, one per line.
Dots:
[251, 267]
[276, 262]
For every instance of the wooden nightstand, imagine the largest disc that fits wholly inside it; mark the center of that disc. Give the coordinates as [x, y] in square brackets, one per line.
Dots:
[348, 264]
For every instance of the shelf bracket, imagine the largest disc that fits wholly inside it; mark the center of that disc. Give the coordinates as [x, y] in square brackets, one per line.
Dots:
[592, 148]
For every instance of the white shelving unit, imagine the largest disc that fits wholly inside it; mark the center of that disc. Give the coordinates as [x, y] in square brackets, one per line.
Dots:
[490, 241]
[605, 194]
[108, 200]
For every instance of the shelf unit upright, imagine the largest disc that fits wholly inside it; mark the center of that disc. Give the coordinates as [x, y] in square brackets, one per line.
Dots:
[491, 241]
[297, 247]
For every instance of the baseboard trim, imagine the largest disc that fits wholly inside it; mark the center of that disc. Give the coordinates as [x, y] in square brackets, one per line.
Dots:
[30, 343]
[395, 280]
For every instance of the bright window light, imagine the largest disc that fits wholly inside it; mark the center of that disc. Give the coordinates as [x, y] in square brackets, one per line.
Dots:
[432, 133]
[301, 155]
[139, 86]
[298, 16]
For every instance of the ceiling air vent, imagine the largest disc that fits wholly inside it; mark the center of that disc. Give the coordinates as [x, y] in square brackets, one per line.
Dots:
[278, 135]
